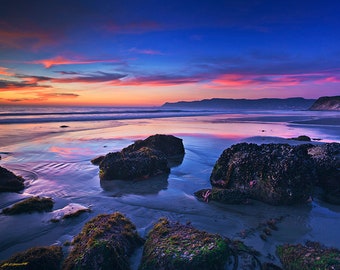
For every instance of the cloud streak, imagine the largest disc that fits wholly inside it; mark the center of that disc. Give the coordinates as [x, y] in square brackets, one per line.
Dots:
[60, 60]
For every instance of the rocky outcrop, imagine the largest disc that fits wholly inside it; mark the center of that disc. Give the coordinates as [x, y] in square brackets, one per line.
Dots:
[326, 160]
[35, 258]
[312, 255]
[10, 182]
[326, 104]
[143, 159]
[30, 205]
[278, 174]
[171, 245]
[69, 211]
[105, 242]
[174, 246]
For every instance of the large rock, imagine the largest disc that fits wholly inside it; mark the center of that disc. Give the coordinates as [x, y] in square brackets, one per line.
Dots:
[143, 159]
[170, 145]
[35, 258]
[277, 174]
[272, 173]
[105, 242]
[312, 255]
[140, 164]
[171, 245]
[30, 205]
[326, 159]
[10, 182]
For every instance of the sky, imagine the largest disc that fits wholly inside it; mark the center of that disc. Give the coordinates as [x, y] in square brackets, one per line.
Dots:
[148, 52]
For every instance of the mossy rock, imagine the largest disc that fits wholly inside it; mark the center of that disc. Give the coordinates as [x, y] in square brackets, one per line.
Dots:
[33, 204]
[9, 182]
[105, 242]
[35, 258]
[172, 245]
[227, 196]
[311, 256]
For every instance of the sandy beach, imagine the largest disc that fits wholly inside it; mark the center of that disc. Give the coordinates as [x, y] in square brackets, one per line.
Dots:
[56, 163]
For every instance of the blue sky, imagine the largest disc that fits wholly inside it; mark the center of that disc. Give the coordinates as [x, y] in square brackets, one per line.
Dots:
[149, 52]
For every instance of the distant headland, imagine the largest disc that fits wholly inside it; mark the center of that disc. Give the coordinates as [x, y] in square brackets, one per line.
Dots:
[296, 103]
[326, 104]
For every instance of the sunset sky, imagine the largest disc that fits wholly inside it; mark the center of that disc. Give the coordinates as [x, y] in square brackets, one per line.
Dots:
[147, 52]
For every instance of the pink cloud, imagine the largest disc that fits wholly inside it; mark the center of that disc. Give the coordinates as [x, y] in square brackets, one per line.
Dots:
[145, 51]
[60, 60]
[5, 71]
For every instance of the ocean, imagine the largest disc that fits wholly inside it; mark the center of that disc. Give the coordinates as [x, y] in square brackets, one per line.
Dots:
[51, 147]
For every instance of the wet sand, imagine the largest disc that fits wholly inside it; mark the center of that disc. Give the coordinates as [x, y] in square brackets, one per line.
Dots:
[56, 163]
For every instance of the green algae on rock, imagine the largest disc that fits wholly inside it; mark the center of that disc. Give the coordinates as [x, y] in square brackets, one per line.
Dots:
[311, 256]
[33, 204]
[105, 242]
[35, 258]
[9, 182]
[171, 245]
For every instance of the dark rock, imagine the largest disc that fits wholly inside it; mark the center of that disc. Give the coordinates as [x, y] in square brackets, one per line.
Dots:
[64, 126]
[143, 159]
[97, 160]
[35, 258]
[312, 255]
[168, 144]
[171, 245]
[10, 182]
[302, 138]
[105, 242]
[139, 164]
[270, 266]
[326, 159]
[273, 173]
[33, 204]
[227, 196]
[326, 103]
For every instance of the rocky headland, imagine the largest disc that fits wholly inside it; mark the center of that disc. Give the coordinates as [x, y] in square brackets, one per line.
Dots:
[326, 104]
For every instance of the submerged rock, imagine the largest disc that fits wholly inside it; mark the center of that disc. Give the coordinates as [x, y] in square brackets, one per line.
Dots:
[302, 138]
[228, 196]
[171, 245]
[313, 255]
[143, 159]
[35, 258]
[105, 242]
[10, 182]
[71, 210]
[33, 204]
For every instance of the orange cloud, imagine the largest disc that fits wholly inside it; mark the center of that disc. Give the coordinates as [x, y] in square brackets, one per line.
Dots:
[60, 60]
[6, 72]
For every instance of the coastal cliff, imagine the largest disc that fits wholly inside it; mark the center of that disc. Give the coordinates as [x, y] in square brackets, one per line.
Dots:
[326, 104]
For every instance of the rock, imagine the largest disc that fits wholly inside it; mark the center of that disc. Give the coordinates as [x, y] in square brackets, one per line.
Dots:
[326, 159]
[105, 242]
[64, 126]
[227, 196]
[302, 138]
[142, 159]
[312, 255]
[10, 182]
[97, 160]
[139, 164]
[270, 266]
[170, 245]
[326, 103]
[278, 174]
[33, 204]
[170, 145]
[71, 210]
[35, 258]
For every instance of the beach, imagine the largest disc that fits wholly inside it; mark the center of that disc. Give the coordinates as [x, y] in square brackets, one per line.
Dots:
[55, 161]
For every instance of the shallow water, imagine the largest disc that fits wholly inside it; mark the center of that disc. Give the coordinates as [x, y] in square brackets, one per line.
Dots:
[56, 163]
